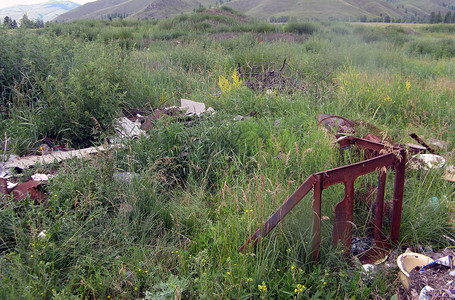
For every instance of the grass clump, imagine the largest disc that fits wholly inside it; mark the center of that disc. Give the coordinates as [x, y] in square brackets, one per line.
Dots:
[301, 27]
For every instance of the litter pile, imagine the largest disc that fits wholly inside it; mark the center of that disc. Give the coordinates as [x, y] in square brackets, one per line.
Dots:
[268, 80]
[50, 152]
[424, 277]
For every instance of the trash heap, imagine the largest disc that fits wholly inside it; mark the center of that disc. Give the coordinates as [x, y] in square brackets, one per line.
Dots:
[49, 151]
[424, 277]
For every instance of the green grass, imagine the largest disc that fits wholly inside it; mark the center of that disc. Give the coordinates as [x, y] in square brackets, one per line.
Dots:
[203, 187]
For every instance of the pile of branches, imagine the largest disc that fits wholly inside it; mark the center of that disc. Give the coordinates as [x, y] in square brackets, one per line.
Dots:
[269, 80]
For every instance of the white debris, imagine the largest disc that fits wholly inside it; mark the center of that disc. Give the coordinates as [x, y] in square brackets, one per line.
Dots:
[369, 268]
[449, 173]
[427, 161]
[42, 234]
[424, 295]
[415, 146]
[56, 156]
[193, 107]
[4, 173]
[40, 177]
[128, 129]
[10, 185]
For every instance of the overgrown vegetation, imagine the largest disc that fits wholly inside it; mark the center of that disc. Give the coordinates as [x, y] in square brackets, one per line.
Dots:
[205, 186]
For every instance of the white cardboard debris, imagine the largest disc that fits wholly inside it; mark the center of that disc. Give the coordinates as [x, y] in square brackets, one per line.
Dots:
[40, 177]
[57, 156]
[10, 185]
[128, 129]
[193, 107]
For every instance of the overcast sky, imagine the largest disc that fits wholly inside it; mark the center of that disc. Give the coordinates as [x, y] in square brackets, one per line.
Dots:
[6, 3]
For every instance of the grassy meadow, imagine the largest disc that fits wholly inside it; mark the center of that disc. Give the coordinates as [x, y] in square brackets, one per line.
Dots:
[204, 187]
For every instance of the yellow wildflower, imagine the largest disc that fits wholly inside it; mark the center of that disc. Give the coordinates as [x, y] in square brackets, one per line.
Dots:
[408, 85]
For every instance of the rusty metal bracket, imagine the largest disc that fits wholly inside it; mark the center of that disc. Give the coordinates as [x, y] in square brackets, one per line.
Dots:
[389, 157]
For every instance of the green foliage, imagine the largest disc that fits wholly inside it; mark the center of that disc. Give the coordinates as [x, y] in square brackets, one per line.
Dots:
[440, 28]
[369, 34]
[442, 48]
[301, 27]
[88, 97]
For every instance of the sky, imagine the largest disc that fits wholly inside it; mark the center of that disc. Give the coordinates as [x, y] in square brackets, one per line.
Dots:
[7, 3]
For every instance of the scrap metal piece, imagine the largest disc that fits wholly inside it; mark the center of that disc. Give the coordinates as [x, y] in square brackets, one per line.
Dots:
[280, 213]
[421, 142]
[394, 158]
[337, 123]
[21, 191]
[29, 188]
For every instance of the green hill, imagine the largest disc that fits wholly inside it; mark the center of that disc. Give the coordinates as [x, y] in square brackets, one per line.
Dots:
[315, 9]
[135, 9]
[264, 9]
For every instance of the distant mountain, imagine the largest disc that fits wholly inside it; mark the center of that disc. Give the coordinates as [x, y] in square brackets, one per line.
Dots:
[134, 9]
[43, 11]
[263, 9]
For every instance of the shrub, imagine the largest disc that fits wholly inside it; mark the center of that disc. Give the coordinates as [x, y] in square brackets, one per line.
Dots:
[301, 27]
[86, 99]
[369, 34]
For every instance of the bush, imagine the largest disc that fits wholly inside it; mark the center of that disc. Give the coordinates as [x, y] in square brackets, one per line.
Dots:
[84, 101]
[301, 27]
[444, 48]
[369, 34]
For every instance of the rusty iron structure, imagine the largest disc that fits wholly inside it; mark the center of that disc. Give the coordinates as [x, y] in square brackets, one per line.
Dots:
[385, 158]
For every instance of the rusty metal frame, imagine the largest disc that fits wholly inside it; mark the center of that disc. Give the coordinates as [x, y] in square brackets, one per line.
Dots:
[388, 157]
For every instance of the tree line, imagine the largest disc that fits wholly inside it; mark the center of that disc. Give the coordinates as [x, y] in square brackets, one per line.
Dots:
[436, 18]
[24, 22]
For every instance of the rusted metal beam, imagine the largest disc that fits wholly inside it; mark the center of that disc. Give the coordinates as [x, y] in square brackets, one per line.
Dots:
[398, 191]
[378, 234]
[317, 214]
[280, 213]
